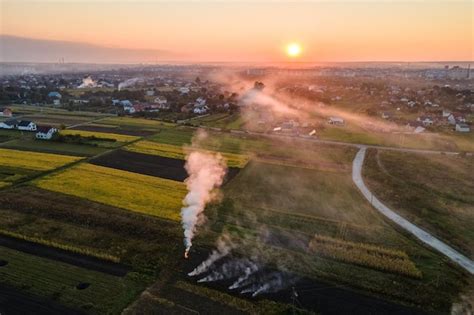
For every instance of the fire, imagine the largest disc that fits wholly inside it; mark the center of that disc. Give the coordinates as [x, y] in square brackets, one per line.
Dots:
[186, 254]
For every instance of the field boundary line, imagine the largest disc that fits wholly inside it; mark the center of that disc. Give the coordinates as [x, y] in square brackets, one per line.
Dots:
[419, 233]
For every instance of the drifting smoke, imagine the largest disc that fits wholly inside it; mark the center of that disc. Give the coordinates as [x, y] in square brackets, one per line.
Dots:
[128, 83]
[87, 82]
[248, 271]
[274, 282]
[206, 173]
[229, 270]
[224, 246]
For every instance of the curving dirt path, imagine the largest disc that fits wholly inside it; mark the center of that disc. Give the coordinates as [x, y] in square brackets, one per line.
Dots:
[422, 235]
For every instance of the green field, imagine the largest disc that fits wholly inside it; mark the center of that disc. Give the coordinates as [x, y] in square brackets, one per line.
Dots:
[435, 192]
[137, 123]
[57, 281]
[224, 121]
[135, 192]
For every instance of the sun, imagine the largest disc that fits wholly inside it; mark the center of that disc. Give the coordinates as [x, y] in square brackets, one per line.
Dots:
[293, 50]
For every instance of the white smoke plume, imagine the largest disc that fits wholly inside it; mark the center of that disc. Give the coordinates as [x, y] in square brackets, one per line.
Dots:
[240, 282]
[228, 270]
[274, 282]
[206, 173]
[87, 82]
[224, 246]
[128, 83]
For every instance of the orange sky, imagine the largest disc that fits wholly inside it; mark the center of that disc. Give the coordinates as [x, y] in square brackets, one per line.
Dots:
[256, 31]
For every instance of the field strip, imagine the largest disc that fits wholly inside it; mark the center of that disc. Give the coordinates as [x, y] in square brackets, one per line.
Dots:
[422, 235]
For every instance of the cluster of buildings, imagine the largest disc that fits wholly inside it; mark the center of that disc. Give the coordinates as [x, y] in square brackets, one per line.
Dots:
[42, 132]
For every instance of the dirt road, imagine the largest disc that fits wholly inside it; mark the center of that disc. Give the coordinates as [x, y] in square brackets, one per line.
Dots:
[422, 235]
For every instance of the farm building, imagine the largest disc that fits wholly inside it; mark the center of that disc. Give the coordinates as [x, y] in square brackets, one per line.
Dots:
[6, 112]
[336, 121]
[26, 125]
[460, 127]
[54, 95]
[45, 132]
[9, 124]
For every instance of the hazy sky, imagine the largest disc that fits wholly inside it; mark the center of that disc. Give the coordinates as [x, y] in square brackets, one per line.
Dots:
[255, 30]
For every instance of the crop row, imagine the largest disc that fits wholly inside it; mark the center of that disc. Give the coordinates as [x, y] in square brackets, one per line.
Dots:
[69, 248]
[365, 255]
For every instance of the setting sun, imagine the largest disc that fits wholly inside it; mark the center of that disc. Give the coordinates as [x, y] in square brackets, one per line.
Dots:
[293, 50]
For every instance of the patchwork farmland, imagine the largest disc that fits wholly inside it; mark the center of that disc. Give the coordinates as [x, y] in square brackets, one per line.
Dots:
[113, 199]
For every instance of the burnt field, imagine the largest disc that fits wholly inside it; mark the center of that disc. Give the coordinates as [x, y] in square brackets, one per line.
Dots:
[314, 295]
[120, 131]
[152, 165]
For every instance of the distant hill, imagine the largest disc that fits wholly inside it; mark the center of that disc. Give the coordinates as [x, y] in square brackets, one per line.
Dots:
[21, 49]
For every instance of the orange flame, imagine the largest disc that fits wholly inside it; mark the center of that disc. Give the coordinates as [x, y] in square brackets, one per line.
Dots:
[186, 254]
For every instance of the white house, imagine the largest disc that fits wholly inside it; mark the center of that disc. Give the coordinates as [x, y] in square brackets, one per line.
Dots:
[9, 124]
[460, 127]
[446, 113]
[386, 115]
[26, 125]
[184, 90]
[200, 102]
[150, 93]
[456, 118]
[336, 121]
[200, 110]
[161, 100]
[425, 120]
[45, 132]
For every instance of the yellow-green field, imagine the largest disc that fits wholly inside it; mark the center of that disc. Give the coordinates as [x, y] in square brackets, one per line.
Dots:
[137, 122]
[33, 160]
[177, 152]
[131, 191]
[101, 135]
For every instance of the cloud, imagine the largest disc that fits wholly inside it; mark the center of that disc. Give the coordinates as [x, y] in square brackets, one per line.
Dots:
[22, 49]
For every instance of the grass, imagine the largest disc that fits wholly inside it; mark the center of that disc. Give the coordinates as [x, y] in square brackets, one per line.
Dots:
[177, 152]
[224, 121]
[33, 160]
[135, 192]
[101, 135]
[57, 281]
[435, 192]
[273, 211]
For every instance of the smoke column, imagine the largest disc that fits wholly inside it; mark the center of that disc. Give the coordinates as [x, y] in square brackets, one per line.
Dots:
[206, 173]
[128, 83]
[87, 82]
